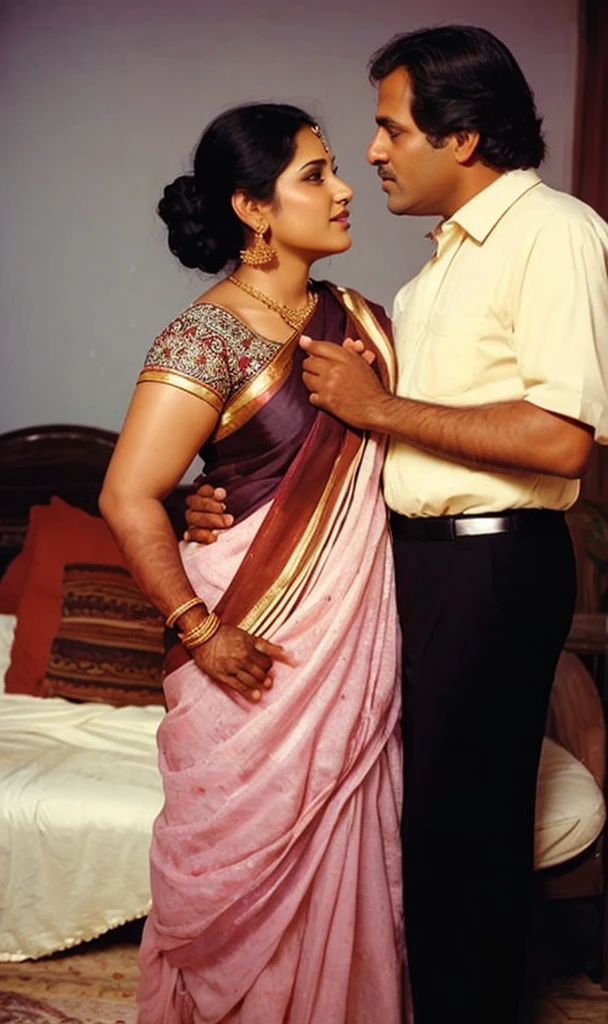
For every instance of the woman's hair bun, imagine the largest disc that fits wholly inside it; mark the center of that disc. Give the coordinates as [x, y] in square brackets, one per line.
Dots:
[245, 149]
[183, 211]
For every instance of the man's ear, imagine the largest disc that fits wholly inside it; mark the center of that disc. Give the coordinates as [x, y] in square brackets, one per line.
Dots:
[248, 210]
[465, 146]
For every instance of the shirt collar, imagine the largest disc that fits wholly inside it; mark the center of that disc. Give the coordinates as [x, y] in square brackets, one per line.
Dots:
[484, 210]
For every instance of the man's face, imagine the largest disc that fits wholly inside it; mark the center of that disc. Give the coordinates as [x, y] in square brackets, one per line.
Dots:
[417, 177]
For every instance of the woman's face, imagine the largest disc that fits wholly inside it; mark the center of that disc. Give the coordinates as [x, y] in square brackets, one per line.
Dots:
[308, 215]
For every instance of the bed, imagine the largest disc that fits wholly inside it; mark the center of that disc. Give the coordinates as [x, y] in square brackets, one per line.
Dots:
[81, 659]
[79, 792]
[79, 785]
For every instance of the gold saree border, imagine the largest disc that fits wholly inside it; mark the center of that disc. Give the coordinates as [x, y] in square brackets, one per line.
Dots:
[306, 561]
[257, 392]
[184, 383]
[299, 563]
[365, 319]
[260, 389]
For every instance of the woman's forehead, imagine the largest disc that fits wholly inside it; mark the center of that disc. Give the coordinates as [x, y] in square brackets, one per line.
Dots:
[309, 146]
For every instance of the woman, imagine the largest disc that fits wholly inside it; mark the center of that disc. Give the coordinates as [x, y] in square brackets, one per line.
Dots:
[275, 860]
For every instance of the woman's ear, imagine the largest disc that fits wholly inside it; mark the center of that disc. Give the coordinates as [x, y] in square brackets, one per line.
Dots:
[247, 210]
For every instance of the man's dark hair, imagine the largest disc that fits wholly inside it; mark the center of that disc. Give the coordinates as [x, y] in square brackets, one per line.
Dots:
[464, 79]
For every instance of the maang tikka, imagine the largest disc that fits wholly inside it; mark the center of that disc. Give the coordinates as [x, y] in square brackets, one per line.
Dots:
[260, 254]
[317, 130]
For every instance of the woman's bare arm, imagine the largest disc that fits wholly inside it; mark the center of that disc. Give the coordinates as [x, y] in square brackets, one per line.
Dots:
[164, 429]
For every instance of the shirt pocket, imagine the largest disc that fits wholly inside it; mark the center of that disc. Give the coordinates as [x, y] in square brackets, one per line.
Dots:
[449, 354]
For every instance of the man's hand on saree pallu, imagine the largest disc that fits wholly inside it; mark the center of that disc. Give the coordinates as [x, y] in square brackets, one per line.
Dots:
[355, 345]
[240, 661]
[342, 382]
[206, 514]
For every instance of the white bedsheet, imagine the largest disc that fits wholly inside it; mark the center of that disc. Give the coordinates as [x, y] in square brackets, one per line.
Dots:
[7, 630]
[79, 791]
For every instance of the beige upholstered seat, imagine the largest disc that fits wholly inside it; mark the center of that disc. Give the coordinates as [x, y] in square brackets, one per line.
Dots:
[570, 808]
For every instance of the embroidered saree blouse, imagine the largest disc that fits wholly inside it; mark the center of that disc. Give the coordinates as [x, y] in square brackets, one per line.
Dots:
[207, 351]
[255, 384]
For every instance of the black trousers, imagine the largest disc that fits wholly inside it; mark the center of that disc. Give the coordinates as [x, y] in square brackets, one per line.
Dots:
[484, 619]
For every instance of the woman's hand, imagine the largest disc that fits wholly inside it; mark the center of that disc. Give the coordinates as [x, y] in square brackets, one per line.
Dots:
[239, 660]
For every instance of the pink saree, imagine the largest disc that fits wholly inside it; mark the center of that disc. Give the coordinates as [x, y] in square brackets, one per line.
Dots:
[275, 862]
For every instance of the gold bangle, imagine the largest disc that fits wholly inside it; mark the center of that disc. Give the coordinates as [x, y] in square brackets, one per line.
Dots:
[199, 635]
[185, 607]
[194, 636]
[202, 633]
[199, 630]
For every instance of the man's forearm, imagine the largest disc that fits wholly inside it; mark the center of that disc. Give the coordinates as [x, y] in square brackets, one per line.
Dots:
[512, 436]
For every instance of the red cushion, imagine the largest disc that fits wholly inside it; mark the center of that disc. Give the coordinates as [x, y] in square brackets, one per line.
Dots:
[60, 534]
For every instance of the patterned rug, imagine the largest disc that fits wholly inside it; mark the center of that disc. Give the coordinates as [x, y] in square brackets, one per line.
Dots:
[92, 984]
[95, 984]
[21, 1009]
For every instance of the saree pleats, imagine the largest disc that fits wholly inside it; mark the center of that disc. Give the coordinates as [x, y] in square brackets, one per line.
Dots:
[275, 862]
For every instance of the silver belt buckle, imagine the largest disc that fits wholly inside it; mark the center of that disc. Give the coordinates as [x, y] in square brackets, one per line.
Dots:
[476, 526]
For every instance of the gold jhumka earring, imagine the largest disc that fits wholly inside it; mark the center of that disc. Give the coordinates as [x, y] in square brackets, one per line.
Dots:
[261, 254]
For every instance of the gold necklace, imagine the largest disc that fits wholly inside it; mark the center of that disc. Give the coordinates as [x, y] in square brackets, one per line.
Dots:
[296, 318]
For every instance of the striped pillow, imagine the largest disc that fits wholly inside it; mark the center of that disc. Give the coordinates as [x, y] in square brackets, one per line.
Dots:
[109, 645]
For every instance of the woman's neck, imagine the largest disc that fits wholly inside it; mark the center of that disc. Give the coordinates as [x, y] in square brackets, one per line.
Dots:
[287, 282]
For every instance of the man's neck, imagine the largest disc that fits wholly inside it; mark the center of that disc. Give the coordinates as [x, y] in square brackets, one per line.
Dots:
[474, 180]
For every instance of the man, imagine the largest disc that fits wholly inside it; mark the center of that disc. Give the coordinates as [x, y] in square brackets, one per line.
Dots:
[501, 344]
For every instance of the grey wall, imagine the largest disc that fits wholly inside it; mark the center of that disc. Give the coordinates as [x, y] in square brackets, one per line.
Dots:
[101, 103]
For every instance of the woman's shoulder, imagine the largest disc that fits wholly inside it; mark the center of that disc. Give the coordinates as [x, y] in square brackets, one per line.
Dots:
[203, 321]
[196, 343]
[208, 344]
[200, 328]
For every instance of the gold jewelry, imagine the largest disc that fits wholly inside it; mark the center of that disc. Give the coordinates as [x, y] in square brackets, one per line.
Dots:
[200, 634]
[261, 254]
[185, 607]
[317, 130]
[296, 318]
[202, 631]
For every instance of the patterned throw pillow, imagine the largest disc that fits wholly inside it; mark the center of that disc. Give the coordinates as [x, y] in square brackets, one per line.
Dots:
[58, 535]
[109, 645]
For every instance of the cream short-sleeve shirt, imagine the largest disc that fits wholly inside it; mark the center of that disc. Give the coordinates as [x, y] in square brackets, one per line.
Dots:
[512, 306]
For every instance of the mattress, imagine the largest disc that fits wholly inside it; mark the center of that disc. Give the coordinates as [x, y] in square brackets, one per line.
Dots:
[79, 792]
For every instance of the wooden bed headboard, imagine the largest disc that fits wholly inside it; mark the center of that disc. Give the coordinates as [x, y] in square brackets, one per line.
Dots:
[69, 461]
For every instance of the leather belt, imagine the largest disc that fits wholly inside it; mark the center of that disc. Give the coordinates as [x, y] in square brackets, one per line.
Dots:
[453, 527]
